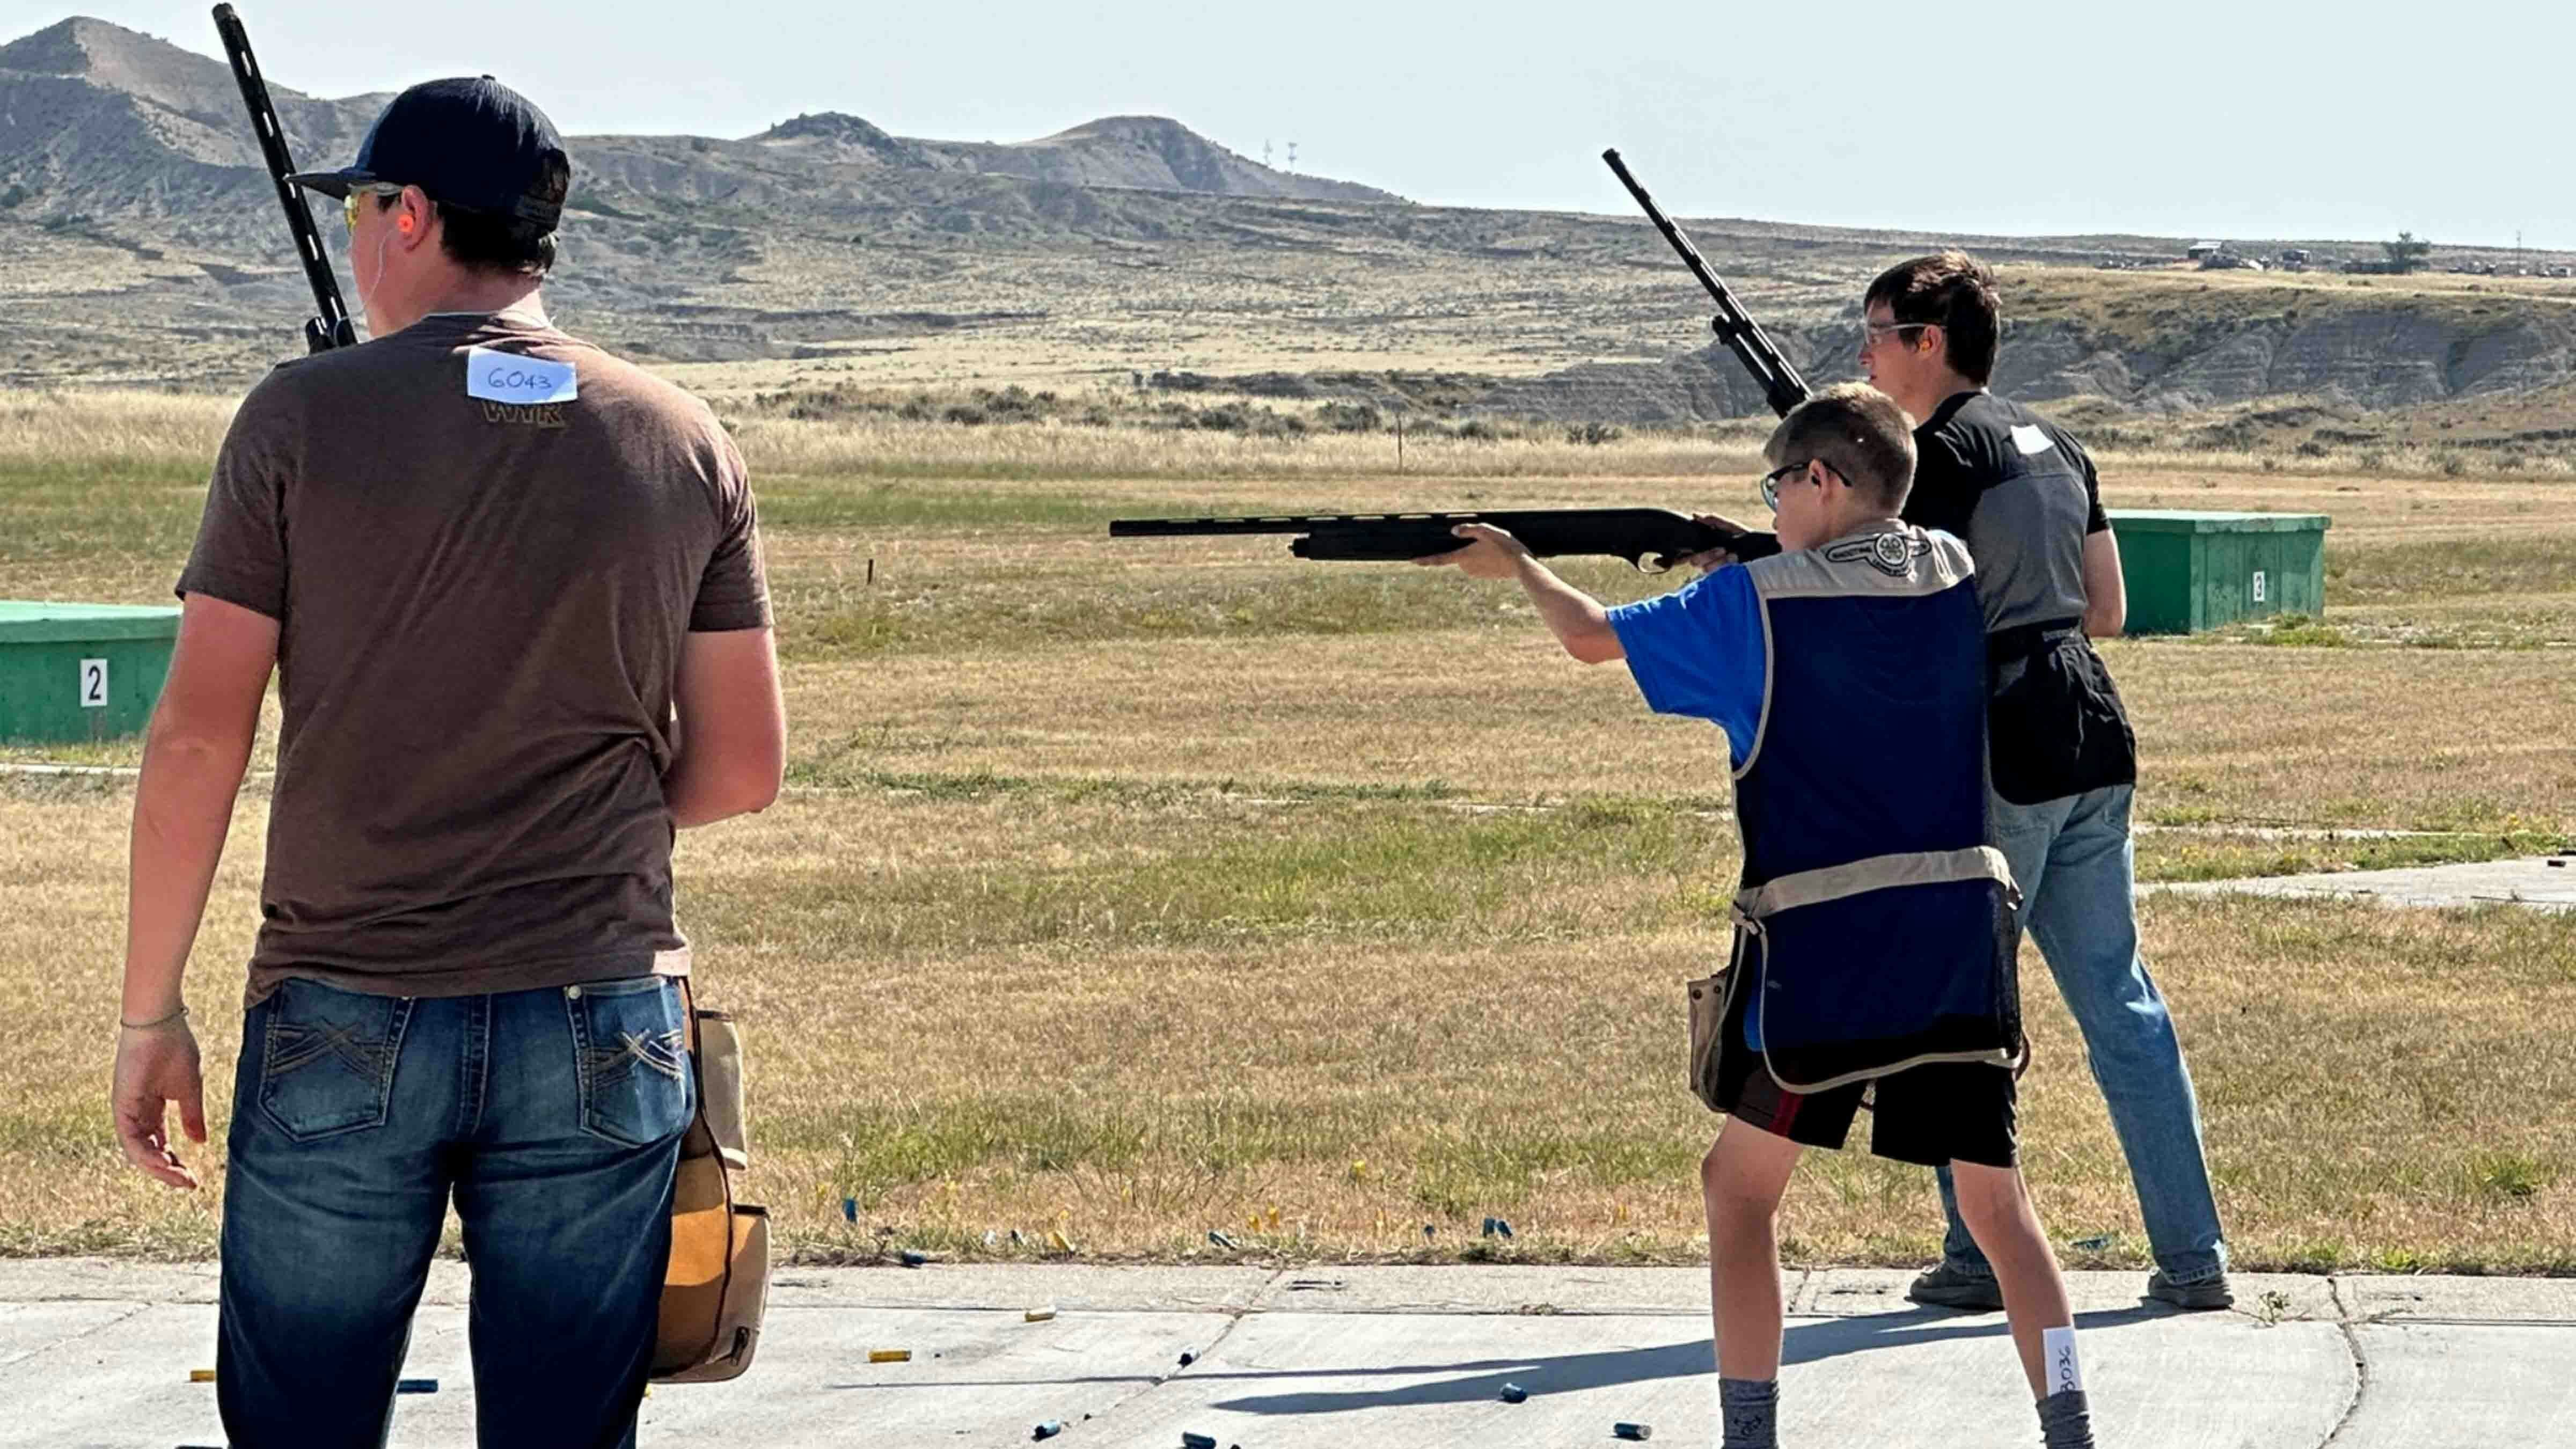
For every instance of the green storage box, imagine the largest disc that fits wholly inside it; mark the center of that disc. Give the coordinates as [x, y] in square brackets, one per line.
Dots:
[2192, 571]
[81, 671]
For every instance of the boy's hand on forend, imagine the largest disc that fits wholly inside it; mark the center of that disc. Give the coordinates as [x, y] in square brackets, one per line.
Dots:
[1490, 553]
[1712, 559]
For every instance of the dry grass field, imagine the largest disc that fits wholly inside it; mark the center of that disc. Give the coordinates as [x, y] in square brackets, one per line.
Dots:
[1137, 891]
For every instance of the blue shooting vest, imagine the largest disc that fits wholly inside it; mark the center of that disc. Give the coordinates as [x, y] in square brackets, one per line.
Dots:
[1876, 927]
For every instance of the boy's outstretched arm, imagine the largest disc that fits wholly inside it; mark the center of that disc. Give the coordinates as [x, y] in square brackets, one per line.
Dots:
[1576, 619]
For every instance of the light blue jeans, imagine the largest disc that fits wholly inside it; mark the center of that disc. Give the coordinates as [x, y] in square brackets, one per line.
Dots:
[2075, 864]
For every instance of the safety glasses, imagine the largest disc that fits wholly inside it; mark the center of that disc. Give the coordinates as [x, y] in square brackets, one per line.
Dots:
[1872, 332]
[349, 203]
[1771, 483]
[1771, 480]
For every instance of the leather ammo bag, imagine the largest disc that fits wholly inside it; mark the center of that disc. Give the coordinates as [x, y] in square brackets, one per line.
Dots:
[1708, 1005]
[718, 1282]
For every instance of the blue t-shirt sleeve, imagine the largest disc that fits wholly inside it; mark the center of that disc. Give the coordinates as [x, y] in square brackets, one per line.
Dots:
[1698, 651]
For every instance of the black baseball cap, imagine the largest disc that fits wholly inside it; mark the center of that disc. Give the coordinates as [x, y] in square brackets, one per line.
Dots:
[467, 141]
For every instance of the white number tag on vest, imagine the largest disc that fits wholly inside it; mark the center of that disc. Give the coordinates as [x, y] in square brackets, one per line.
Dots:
[507, 377]
[2032, 441]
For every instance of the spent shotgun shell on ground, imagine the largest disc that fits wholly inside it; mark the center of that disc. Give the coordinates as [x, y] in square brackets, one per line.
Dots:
[889, 1355]
[1632, 1431]
[1039, 1315]
[1514, 1393]
[1047, 1430]
[1197, 1441]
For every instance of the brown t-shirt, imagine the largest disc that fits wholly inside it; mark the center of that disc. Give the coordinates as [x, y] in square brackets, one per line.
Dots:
[481, 608]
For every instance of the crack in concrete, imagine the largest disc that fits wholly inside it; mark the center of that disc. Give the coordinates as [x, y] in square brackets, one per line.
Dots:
[2391, 1319]
[1234, 1320]
[2360, 1383]
[1802, 1288]
[136, 1311]
[2351, 1332]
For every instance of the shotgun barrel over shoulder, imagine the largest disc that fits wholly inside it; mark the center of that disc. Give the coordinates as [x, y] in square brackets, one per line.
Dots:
[1653, 539]
[1782, 387]
[331, 326]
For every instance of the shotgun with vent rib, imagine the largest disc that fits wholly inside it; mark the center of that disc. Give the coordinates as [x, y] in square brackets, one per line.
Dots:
[1653, 539]
[1781, 385]
[331, 326]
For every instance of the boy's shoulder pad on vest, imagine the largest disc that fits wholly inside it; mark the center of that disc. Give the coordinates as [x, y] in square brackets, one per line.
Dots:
[1902, 560]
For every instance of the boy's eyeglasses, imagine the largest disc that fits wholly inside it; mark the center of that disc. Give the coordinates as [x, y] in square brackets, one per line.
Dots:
[1771, 480]
[1771, 483]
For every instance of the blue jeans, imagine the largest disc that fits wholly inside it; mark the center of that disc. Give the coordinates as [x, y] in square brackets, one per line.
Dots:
[2075, 864]
[555, 1118]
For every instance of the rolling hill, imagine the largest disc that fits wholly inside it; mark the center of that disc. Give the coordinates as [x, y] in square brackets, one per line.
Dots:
[139, 243]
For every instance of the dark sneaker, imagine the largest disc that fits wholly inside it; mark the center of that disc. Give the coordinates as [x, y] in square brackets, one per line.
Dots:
[2203, 1294]
[1947, 1287]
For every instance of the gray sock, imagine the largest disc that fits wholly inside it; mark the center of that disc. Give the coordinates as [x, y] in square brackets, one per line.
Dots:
[1749, 1411]
[2066, 1421]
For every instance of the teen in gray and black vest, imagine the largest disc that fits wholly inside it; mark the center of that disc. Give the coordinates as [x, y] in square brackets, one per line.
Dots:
[2024, 496]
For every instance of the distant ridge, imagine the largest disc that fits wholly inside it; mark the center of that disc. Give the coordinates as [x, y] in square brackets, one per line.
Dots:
[1151, 152]
[1146, 153]
[140, 242]
[102, 126]
[139, 66]
[843, 134]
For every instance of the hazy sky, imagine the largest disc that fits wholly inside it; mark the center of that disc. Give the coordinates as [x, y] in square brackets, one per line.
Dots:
[2253, 118]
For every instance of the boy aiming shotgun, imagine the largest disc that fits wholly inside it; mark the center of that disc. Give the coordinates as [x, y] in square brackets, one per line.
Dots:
[1875, 927]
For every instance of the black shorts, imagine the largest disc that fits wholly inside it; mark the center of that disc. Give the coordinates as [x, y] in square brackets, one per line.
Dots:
[1934, 1114]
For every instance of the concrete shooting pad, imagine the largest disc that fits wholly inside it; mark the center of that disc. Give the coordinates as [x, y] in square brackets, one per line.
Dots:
[2544, 882]
[97, 1353]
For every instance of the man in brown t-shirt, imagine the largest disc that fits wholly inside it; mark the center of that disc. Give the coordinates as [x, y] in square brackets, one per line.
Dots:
[512, 590]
